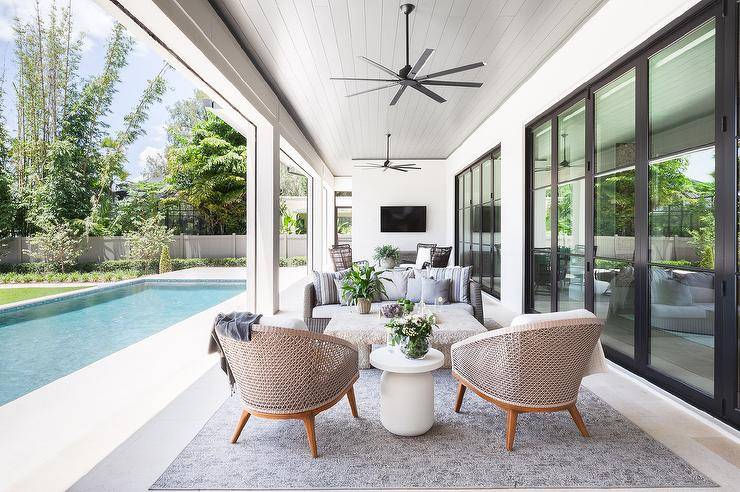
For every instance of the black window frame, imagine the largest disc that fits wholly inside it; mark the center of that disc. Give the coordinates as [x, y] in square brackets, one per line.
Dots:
[489, 154]
[724, 401]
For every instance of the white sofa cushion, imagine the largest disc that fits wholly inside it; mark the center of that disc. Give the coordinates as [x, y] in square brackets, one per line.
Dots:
[460, 277]
[283, 322]
[597, 363]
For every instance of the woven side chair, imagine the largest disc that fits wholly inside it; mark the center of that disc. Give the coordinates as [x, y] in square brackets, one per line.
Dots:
[341, 256]
[284, 374]
[536, 367]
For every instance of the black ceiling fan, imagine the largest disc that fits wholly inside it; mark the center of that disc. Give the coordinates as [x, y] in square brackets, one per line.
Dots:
[408, 76]
[387, 164]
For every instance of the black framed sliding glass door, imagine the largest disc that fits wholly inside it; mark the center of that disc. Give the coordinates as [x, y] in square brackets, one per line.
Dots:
[629, 218]
[478, 220]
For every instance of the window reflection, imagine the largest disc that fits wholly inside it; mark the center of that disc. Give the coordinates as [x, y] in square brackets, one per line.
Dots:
[681, 221]
[614, 215]
[542, 150]
[571, 217]
[614, 111]
[682, 325]
[571, 284]
[614, 302]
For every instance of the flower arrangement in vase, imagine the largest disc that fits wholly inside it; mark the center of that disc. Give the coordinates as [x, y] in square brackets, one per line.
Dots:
[411, 333]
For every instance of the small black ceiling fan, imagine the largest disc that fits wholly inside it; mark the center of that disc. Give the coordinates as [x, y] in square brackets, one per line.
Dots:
[387, 164]
[408, 76]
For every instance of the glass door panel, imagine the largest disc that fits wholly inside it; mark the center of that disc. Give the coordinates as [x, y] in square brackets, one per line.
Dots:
[571, 217]
[614, 303]
[571, 286]
[614, 215]
[571, 156]
[542, 280]
[542, 150]
[681, 93]
[614, 113]
[476, 185]
[682, 325]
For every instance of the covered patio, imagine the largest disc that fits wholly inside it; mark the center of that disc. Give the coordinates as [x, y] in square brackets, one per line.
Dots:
[509, 259]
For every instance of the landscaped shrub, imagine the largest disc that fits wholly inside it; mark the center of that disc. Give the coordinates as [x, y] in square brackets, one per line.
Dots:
[165, 262]
[294, 261]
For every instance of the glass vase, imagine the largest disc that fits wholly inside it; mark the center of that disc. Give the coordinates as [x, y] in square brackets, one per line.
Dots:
[414, 347]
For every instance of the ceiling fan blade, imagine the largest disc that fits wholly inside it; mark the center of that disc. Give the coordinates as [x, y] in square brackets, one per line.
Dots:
[398, 95]
[380, 67]
[373, 89]
[369, 165]
[451, 83]
[396, 169]
[452, 70]
[429, 93]
[406, 167]
[360, 78]
[420, 62]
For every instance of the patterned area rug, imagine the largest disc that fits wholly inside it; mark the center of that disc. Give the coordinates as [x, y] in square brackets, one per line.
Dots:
[463, 450]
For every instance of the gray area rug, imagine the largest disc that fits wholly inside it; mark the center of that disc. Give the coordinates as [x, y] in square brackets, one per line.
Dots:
[463, 450]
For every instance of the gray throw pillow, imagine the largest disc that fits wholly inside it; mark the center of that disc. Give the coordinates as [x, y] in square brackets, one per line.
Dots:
[460, 277]
[413, 290]
[432, 289]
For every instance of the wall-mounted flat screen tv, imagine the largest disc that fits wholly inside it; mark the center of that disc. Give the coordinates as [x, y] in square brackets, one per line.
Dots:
[403, 219]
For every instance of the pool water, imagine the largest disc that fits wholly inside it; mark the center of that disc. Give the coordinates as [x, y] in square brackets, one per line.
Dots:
[41, 343]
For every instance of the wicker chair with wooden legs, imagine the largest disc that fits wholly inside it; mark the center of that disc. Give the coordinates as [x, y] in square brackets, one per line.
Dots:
[291, 374]
[529, 368]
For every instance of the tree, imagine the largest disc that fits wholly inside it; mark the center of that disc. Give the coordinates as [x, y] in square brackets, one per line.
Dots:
[184, 115]
[65, 158]
[143, 199]
[7, 198]
[155, 167]
[208, 169]
[56, 244]
[147, 242]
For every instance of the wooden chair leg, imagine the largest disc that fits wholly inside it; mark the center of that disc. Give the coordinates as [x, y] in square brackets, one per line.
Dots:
[308, 421]
[460, 393]
[352, 402]
[511, 416]
[576, 415]
[240, 426]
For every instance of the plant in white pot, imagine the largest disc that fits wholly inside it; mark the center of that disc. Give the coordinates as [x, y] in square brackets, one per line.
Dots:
[386, 255]
[361, 285]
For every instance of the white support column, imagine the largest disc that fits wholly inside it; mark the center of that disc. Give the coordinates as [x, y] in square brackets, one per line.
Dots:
[267, 214]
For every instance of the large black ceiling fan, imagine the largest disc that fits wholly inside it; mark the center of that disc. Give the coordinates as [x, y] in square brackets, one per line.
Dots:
[388, 164]
[408, 76]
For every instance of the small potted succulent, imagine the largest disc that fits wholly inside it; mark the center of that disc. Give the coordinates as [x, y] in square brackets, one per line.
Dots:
[411, 333]
[386, 255]
[361, 285]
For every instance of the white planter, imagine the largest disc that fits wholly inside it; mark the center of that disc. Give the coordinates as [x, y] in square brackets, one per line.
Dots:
[387, 263]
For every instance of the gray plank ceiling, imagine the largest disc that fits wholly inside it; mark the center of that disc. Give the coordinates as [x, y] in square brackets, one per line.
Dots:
[299, 44]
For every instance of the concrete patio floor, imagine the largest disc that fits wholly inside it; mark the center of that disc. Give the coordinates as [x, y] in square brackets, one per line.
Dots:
[706, 444]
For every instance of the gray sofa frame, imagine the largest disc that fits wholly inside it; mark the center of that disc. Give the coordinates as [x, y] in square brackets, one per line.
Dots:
[318, 324]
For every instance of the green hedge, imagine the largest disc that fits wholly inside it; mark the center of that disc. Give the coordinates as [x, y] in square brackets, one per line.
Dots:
[106, 271]
[294, 261]
[117, 265]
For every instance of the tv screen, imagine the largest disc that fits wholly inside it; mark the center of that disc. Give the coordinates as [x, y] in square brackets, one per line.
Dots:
[403, 219]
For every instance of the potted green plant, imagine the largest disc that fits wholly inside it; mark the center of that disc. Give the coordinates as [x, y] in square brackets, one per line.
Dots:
[411, 333]
[386, 255]
[361, 285]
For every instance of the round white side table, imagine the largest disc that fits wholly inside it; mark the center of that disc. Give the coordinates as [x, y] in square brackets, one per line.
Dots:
[406, 390]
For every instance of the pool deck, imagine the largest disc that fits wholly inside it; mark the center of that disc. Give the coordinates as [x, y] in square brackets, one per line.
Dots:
[57, 433]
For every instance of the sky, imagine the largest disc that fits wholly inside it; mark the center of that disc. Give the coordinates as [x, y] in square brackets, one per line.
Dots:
[94, 24]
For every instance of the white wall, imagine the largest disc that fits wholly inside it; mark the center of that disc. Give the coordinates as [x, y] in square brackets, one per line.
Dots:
[610, 33]
[372, 188]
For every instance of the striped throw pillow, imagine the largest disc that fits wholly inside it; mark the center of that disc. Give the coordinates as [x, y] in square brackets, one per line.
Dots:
[326, 289]
[460, 277]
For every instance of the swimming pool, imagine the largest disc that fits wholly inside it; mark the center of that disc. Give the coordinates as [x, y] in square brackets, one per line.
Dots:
[44, 341]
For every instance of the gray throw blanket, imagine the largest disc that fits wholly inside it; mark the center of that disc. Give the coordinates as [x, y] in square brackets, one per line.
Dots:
[234, 325]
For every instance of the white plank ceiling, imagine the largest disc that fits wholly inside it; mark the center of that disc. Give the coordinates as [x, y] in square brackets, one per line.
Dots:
[299, 44]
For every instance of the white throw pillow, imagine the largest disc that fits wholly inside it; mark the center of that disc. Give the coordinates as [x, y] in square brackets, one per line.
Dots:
[524, 319]
[460, 277]
[423, 255]
[395, 283]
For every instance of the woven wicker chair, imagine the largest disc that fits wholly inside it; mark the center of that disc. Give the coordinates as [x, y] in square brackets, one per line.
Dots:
[341, 256]
[530, 368]
[291, 374]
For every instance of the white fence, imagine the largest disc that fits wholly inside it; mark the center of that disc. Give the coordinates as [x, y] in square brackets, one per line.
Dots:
[104, 248]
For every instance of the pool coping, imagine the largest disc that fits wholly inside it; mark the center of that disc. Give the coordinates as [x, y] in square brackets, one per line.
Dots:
[40, 301]
[97, 420]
